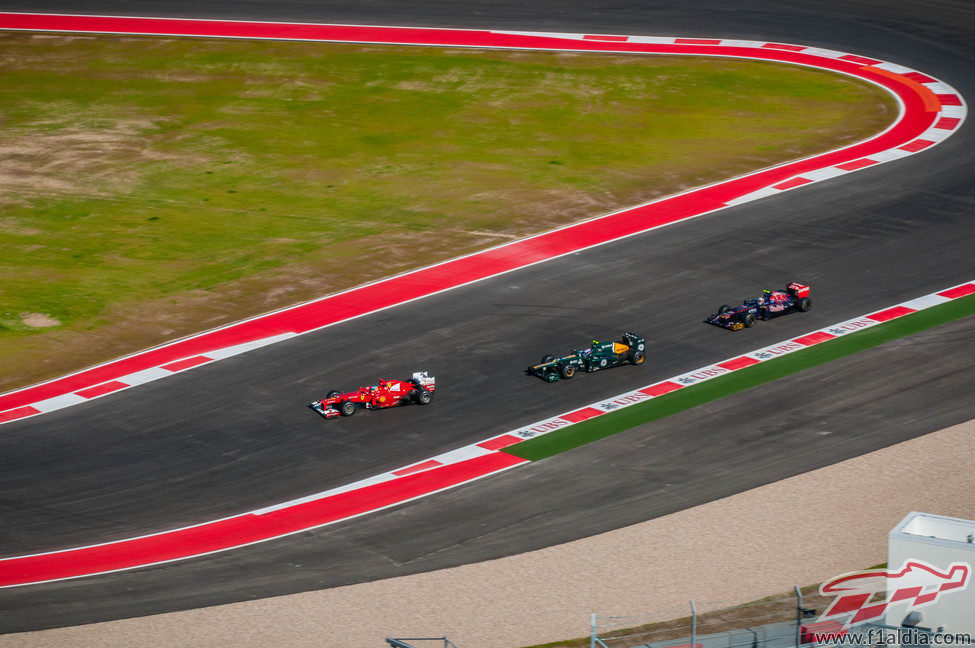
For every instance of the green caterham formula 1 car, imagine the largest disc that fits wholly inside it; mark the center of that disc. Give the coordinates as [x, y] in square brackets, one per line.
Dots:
[600, 355]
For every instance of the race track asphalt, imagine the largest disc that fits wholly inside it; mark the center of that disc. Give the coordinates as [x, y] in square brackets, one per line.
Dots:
[841, 409]
[236, 435]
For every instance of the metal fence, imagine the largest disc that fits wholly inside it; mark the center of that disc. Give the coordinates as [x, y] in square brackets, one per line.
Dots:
[769, 623]
[775, 622]
[783, 621]
[407, 642]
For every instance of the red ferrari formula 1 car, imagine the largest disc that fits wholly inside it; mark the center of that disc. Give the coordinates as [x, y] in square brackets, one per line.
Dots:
[388, 393]
[772, 303]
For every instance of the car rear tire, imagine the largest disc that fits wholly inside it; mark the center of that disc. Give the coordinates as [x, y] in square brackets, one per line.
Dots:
[749, 320]
[804, 304]
[637, 358]
[567, 371]
[724, 308]
[333, 393]
[347, 408]
[417, 387]
[424, 397]
[547, 358]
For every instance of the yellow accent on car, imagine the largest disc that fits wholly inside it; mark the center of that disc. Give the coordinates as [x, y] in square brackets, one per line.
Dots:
[620, 348]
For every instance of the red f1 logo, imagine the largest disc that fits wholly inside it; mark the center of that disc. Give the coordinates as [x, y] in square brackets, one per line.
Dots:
[917, 583]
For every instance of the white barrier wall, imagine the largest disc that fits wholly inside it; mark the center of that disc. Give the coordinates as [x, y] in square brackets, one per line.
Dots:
[946, 544]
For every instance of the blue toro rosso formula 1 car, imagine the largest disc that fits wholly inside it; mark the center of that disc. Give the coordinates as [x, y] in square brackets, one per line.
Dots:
[772, 303]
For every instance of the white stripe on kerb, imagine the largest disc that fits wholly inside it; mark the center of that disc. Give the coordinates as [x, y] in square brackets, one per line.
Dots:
[533, 34]
[652, 40]
[227, 352]
[56, 403]
[743, 43]
[925, 302]
[893, 67]
[827, 53]
[462, 454]
[850, 326]
[939, 87]
[362, 483]
[146, 375]
[890, 155]
[936, 134]
[824, 174]
[755, 195]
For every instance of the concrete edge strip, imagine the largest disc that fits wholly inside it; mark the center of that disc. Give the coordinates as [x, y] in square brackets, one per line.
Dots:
[936, 111]
[448, 470]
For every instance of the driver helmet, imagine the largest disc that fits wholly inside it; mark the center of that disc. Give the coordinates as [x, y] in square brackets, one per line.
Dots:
[767, 295]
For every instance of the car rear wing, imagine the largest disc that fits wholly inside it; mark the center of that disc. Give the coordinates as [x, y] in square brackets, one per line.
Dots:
[798, 289]
[633, 341]
[428, 382]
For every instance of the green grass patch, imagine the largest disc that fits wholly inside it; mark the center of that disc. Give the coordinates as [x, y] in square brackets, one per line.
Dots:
[663, 406]
[152, 187]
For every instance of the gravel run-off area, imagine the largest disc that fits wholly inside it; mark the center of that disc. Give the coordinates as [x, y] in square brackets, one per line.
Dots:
[800, 530]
